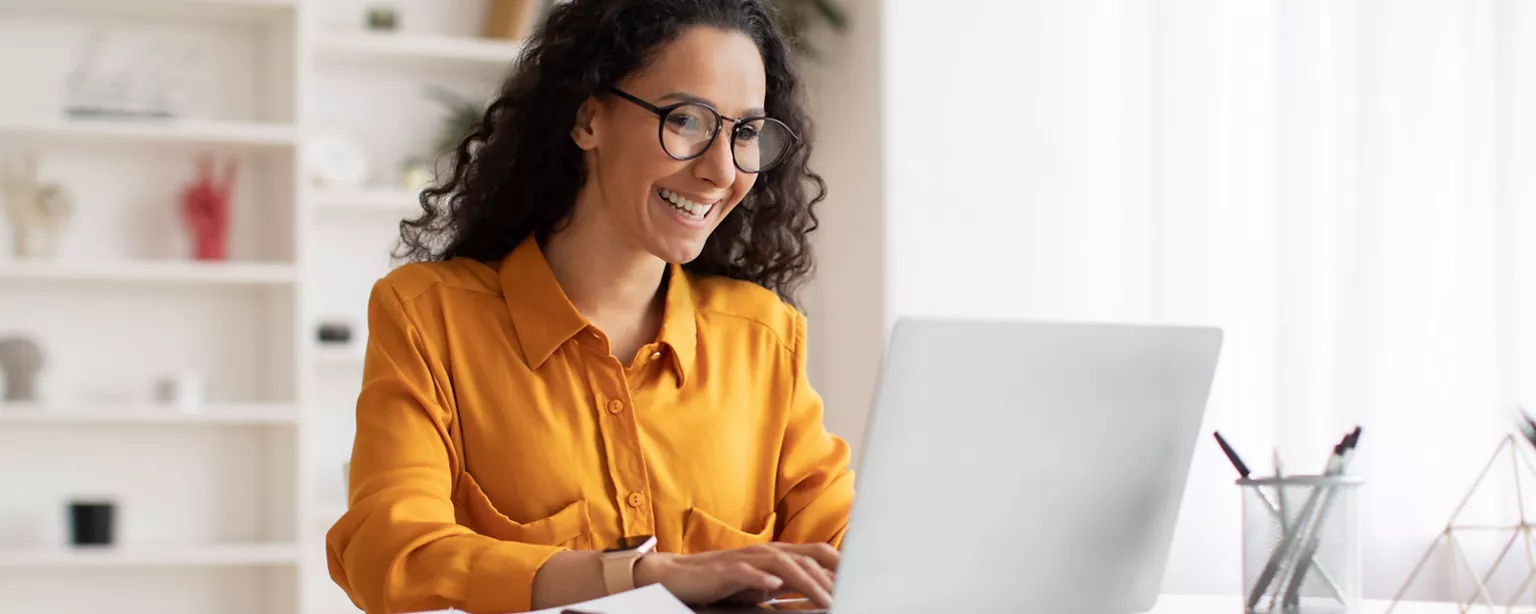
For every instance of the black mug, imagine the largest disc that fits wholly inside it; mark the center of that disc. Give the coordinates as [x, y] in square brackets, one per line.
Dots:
[91, 523]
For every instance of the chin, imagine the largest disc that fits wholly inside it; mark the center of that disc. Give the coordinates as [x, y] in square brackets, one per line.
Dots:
[678, 253]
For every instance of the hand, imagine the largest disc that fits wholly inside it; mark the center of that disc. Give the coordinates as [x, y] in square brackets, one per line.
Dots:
[756, 571]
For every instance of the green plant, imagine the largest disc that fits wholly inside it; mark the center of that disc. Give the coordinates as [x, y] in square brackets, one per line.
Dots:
[799, 15]
[461, 115]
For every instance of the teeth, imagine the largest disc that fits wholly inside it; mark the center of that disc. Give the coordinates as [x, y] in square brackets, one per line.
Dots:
[692, 209]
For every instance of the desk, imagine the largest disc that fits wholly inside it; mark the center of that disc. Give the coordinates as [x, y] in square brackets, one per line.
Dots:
[1204, 604]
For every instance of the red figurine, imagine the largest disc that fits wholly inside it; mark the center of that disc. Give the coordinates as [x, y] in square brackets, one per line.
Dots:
[205, 207]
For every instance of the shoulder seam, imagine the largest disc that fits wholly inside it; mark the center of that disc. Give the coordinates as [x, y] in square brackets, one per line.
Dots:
[416, 295]
[436, 281]
[776, 336]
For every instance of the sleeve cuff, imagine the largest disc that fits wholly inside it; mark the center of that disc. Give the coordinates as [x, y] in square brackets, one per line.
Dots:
[502, 578]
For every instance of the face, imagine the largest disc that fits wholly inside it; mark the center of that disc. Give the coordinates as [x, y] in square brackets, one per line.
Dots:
[661, 205]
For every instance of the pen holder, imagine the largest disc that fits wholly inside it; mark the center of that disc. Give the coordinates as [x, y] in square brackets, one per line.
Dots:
[1301, 545]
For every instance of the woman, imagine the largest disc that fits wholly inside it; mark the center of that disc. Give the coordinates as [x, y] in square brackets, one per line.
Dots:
[596, 343]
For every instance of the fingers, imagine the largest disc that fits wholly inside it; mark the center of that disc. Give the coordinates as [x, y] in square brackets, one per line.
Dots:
[813, 568]
[800, 573]
[825, 555]
[747, 577]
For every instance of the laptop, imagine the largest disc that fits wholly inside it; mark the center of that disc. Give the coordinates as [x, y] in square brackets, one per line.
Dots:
[1023, 467]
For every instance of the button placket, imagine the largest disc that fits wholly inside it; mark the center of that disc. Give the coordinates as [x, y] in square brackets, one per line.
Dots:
[621, 443]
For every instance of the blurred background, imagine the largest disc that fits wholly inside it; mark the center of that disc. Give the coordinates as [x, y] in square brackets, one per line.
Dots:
[199, 193]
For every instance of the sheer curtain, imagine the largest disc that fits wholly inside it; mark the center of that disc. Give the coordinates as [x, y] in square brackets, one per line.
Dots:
[1348, 188]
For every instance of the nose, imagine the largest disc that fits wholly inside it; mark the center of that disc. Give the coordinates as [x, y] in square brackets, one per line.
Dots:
[717, 166]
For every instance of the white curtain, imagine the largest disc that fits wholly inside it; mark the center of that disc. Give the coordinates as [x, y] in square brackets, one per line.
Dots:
[1347, 187]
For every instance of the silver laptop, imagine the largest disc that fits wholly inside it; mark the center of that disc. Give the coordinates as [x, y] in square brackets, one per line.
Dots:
[1024, 467]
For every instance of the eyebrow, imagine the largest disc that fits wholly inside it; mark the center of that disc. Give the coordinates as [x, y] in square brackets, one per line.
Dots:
[686, 97]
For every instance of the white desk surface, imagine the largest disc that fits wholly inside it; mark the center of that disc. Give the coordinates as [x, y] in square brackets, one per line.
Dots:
[1233, 604]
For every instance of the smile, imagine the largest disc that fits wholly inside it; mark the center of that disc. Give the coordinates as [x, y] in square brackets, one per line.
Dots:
[684, 207]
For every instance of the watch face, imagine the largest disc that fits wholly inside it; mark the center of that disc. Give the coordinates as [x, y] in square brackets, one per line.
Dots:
[629, 543]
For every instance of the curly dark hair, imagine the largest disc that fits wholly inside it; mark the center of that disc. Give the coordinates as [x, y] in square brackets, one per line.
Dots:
[517, 172]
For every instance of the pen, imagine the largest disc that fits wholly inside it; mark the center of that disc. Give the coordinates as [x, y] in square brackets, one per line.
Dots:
[1310, 537]
[1237, 462]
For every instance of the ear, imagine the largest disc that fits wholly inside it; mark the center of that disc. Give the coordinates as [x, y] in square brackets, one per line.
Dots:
[584, 133]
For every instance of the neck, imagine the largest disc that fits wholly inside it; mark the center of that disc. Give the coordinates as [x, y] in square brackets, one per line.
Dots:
[604, 274]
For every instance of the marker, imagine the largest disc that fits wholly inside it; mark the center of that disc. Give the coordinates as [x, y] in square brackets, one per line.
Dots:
[1237, 461]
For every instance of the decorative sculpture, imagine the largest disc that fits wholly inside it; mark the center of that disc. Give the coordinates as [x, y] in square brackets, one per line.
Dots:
[39, 211]
[1469, 580]
[91, 523]
[205, 207]
[133, 78]
[185, 390]
[21, 360]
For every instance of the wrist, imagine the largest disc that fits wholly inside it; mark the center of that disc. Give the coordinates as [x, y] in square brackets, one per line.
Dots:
[652, 567]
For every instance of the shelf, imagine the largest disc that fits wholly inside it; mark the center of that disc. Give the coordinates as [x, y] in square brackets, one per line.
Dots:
[212, 555]
[328, 513]
[208, 10]
[349, 357]
[249, 135]
[213, 415]
[150, 271]
[377, 200]
[419, 47]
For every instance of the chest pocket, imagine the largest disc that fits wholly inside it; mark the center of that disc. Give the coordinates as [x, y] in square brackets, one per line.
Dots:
[571, 527]
[705, 533]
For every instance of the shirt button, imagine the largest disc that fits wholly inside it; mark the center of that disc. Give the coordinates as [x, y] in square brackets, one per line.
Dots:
[615, 407]
[636, 499]
[656, 356]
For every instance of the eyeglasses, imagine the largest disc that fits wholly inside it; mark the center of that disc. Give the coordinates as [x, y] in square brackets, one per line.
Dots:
[687, 129]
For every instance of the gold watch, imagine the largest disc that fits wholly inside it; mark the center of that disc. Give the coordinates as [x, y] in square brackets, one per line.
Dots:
[619, 562]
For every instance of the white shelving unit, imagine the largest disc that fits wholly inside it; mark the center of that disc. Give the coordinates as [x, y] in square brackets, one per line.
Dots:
[347, 356]
[234, 499]
[187, 132]
[272, 414]
[178, 555]
[145, 271]
[441, 50]
[380, 200]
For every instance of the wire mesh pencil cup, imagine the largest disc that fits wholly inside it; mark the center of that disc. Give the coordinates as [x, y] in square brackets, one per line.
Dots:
[1301, 545]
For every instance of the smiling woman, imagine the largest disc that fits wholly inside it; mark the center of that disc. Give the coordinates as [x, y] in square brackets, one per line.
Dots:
[593, 376]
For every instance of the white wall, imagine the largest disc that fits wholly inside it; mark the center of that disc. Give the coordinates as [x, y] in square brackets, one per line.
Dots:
[1337, 185]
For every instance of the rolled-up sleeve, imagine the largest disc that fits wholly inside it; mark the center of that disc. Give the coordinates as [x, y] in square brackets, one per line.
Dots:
[815, 485]
[398, 548]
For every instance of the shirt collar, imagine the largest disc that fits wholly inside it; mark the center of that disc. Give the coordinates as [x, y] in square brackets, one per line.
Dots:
[544, 317]
[679, 325]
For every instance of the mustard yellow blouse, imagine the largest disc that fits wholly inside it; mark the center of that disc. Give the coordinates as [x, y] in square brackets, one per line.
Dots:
[495, 428]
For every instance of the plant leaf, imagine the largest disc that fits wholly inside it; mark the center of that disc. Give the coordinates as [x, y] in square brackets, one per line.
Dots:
[832, 13]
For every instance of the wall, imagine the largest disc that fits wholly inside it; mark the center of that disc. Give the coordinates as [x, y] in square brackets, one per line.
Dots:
[845, 303]
[1337, 185]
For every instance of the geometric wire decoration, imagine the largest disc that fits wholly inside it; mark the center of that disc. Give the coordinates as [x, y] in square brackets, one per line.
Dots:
[1448, 540]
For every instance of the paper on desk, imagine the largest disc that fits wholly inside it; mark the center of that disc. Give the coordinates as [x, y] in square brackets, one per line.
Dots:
[653, 599]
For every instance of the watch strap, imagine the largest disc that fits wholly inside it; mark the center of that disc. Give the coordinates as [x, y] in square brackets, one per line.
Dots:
[619, 572]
